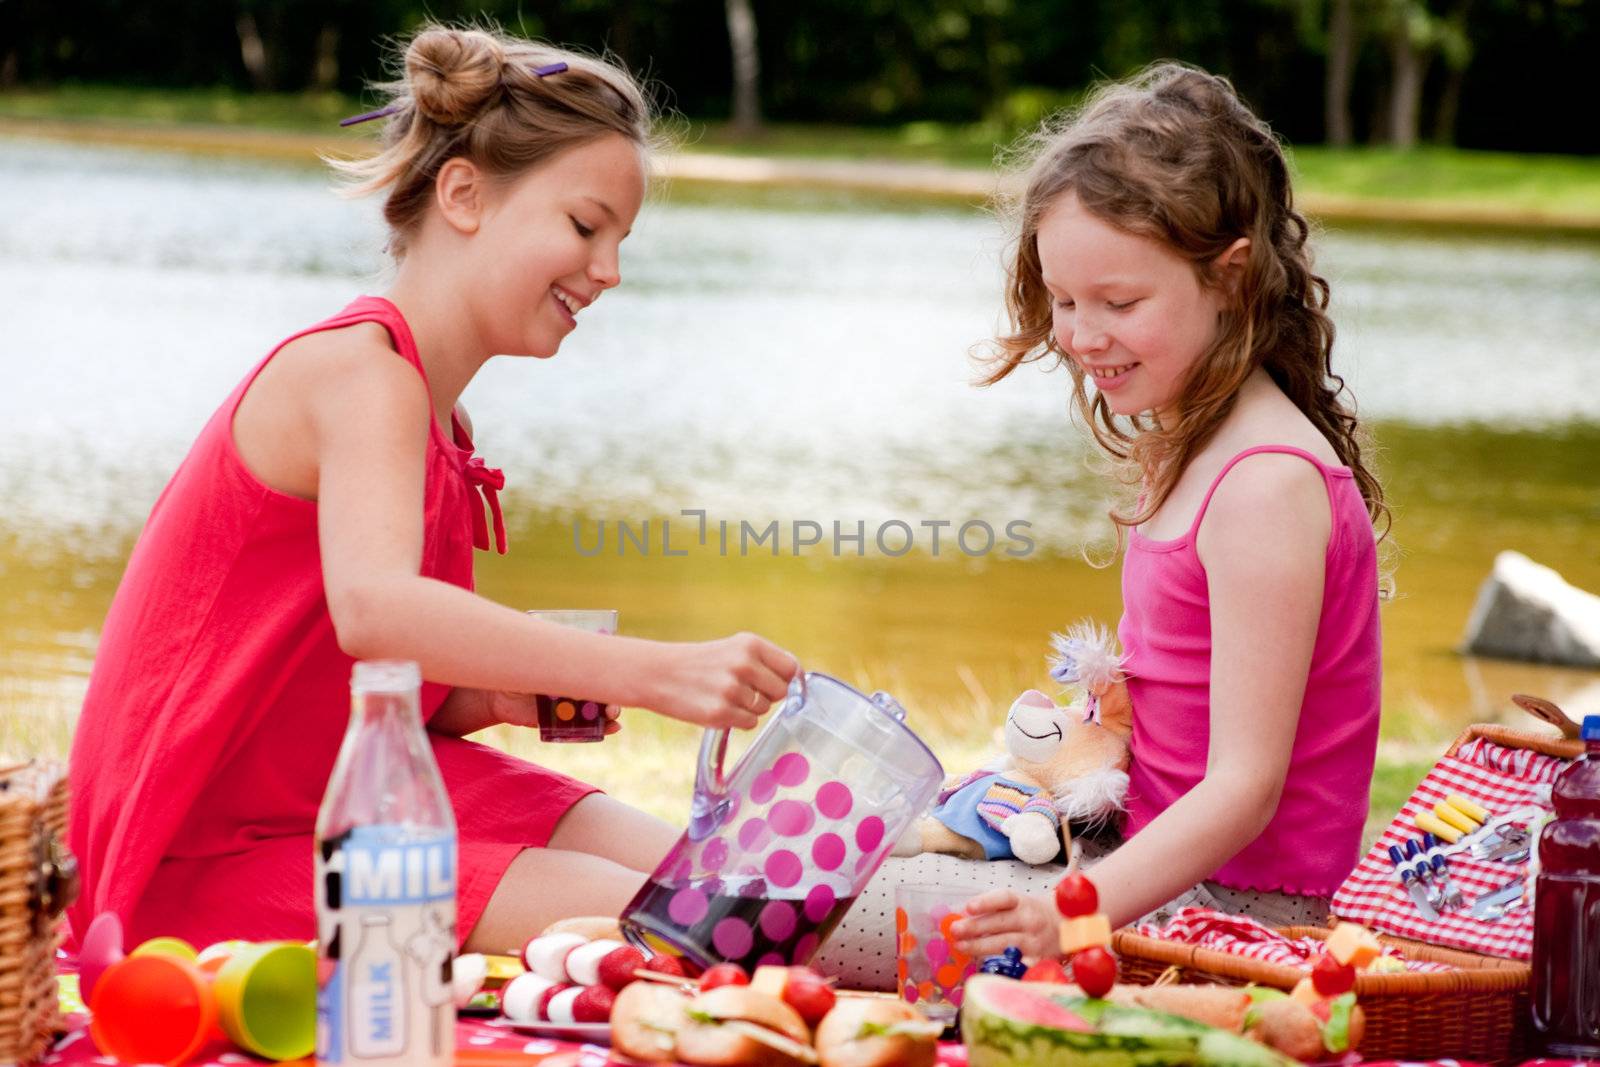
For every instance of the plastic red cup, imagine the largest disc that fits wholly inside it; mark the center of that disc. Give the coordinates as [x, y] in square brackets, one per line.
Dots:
[151, 1009]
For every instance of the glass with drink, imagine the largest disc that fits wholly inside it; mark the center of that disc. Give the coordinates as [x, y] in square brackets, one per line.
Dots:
[930, 969]
[574, 719]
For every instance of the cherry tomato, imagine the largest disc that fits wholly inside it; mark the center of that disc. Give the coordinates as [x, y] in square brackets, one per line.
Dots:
[1331, 978]
[723, 974]
[1075, 896]
[808, 993]
[1048, 969]
[666, 965]
[1095, 971]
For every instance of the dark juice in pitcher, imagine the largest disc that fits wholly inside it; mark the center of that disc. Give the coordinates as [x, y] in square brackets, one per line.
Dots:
[713, 921]
[1565, 986]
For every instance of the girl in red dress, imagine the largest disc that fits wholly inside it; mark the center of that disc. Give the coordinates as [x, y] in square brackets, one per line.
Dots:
[328, 512]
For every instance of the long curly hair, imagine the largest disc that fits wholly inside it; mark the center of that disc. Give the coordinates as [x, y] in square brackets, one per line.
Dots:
[1173, 154]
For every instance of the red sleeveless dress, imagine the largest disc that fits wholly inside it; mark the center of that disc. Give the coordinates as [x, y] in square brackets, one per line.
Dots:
[219, 697]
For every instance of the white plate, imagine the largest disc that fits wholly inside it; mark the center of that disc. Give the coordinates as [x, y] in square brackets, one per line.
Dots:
[591, 1033]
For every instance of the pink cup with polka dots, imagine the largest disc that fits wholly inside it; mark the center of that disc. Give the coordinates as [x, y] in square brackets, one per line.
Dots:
[778, 850]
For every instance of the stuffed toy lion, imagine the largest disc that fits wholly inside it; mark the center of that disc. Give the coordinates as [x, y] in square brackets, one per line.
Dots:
[1062, 765]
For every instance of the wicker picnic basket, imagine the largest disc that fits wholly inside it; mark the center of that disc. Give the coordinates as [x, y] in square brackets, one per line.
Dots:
[1477, 1012]
[38, 879]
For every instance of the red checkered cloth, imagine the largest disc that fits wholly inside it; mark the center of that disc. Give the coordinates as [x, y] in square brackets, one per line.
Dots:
[1499, 779]
[1240, 935]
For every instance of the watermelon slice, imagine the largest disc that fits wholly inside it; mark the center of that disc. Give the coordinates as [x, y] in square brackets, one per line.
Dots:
[1014, 1024]
[1005, 1023]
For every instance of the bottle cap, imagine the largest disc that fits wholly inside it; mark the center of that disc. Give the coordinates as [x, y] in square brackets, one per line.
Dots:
[1591, 728]
[398, 676]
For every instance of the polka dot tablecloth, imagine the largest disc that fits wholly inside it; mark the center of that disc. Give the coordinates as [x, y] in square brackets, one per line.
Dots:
[479, 1043]
[483, 1043]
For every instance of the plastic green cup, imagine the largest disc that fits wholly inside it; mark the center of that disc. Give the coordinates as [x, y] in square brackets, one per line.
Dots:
[267, 999]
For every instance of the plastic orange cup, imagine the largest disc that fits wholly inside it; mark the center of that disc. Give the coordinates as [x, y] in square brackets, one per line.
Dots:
[151, 1009]
[267, 999]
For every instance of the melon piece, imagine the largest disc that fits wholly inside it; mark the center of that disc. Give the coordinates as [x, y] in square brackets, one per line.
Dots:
[1208, 1046]
[1006, 1023]
[1086, 931]
[1306, 993]
[770, 979]
[1354, 944]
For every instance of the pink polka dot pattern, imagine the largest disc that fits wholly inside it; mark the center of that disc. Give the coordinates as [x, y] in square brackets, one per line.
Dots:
[819, 902]
[805, 948]
[763, 787]
[791, 769]
[827, 851]
[771, 959]
[714, 855]
[754, 835]
[732, 938]
[910, 993]
[784, 868]
[687, 906]
[834, 800]
[590, 710]
[869, 833]
[791, 818]
[778, 920]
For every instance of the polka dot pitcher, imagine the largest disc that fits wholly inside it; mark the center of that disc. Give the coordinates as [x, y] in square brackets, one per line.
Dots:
[776, 852]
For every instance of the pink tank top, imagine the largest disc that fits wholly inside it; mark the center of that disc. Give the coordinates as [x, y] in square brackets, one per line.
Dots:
[1314, 838]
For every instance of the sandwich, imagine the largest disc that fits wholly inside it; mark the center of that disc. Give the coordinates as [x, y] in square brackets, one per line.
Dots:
[646, 1019]
[876, 1032]
[730, 1026]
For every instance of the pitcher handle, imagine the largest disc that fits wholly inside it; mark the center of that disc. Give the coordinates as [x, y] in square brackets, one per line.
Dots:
[889, 704]
[710, 786]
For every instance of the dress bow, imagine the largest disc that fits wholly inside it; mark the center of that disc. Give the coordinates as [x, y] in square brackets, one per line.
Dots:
[487, 481]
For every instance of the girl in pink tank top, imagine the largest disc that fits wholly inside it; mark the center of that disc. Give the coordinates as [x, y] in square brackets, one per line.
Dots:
[1161, 261]
[329, 512]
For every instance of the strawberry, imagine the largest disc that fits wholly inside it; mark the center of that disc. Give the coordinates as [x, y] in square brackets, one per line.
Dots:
[618, 965]
[593, 1005]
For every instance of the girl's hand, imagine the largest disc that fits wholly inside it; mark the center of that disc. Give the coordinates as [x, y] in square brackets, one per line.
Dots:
[466, 711]
[726, 684]
[1002, 918]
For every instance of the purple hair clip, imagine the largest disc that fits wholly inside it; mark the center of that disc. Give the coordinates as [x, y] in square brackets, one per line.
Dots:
[384, 112]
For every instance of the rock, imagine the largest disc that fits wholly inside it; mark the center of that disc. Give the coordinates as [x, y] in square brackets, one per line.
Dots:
[1527, 611]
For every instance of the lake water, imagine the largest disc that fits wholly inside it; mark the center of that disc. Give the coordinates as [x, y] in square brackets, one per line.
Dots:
[760, 363]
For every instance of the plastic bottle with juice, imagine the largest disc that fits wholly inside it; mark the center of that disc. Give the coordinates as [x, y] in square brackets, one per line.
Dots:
[385, 884]
[1565, 989]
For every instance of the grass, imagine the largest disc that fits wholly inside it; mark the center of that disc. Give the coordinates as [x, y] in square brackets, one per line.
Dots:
[1524, 187]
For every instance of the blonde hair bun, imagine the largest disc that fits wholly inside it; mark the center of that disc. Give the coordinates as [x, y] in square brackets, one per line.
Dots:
[453, 73]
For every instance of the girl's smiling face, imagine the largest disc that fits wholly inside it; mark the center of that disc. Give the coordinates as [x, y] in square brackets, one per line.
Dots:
[548, 244]
[1127, 309]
